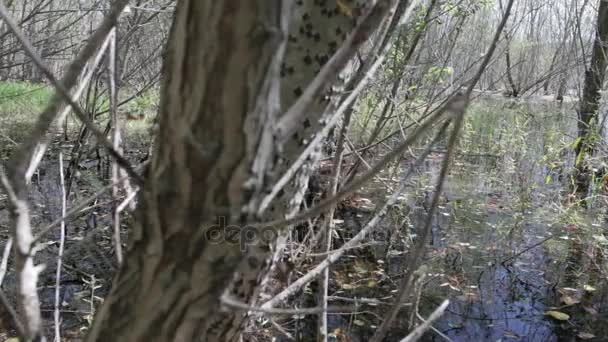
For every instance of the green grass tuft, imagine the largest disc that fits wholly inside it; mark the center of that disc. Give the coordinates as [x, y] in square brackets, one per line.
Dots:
[20, 104]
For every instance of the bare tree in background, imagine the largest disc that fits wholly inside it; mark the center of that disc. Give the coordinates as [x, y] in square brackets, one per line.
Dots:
[588, 124]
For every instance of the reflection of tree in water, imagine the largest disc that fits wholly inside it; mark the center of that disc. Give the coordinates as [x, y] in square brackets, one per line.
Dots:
[581, 294]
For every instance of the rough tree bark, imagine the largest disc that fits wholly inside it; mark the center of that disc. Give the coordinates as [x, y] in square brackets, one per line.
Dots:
[212, 120]
[219, 98]
[589, 104]
[317, 30]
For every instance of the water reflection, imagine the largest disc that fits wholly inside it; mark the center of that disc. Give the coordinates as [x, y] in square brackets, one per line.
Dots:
[505, 265]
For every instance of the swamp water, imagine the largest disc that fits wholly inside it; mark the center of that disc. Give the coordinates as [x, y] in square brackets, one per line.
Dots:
[516, 259]
[515, 263]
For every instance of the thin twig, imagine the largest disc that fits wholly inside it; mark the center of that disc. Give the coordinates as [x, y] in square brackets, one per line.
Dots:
[281, 330]
[422, 328]
[435, 330]
[366, 301]
[127, 201]
[458, 110]
[116, 141]
[27, 157]
[355, 87]
[369, 227]
[63, 92]
[7, 138]
[416, 253]
[235, 304]
[357, 183]
[5, 256]
[526, 249]
[78, 208]
[85, 78]
[329, 224]
[27, 271]
[60, 254]
[293, 169]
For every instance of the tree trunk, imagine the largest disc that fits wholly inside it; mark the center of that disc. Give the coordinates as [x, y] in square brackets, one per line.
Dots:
[170, 285]
[589, 105]
[514, 91]
[219, 95]
[317, 30]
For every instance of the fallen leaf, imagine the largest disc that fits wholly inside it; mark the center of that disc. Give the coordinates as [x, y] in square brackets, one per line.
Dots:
[344, 8]
[589, 288]
[510, 334]
[560, 316]
[601, 239]
[337, 334]
[454, 288]
[569, 300]
[585, 335]
[568, 291]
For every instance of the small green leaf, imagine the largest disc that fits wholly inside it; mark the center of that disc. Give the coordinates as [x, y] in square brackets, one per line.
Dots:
[560, 316]
[579, 158]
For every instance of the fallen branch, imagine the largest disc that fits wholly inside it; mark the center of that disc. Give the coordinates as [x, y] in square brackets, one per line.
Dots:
[426, 325]
[526, 249]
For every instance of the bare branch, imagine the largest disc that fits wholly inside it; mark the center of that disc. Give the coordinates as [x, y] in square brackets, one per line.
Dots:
[369, 227]
[235, 304]
[5, 256]
[426, 325]
[26, 158]
[454, 105]
[356, 87]
[116, 142]
[60, 253]
[63, 92]
[27, 271]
